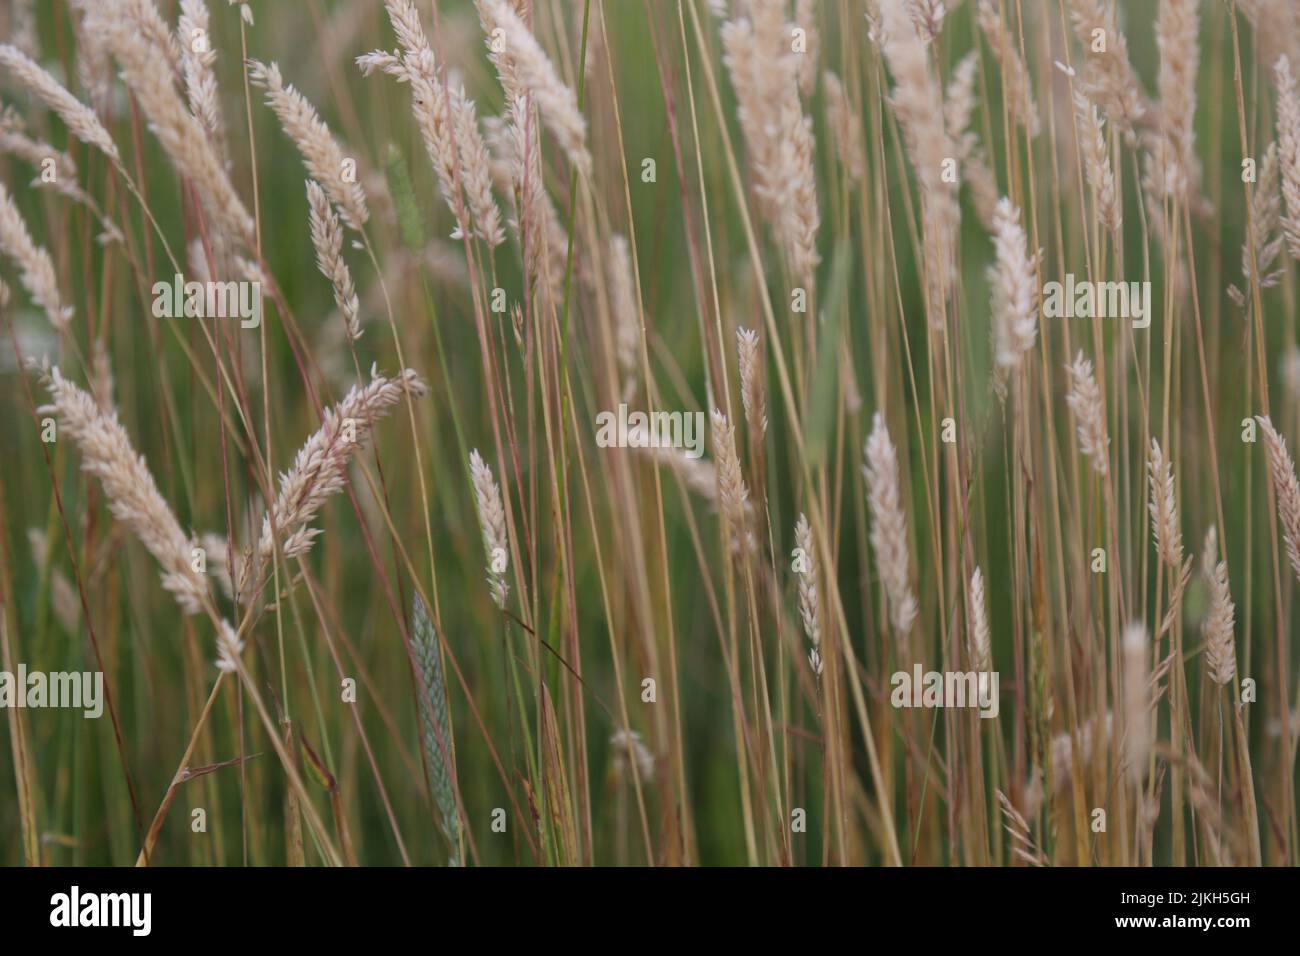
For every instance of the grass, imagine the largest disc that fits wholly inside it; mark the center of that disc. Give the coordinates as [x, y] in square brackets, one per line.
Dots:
[468, 633]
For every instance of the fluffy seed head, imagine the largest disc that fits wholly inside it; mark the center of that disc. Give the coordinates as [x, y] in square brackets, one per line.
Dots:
[750, 360]
[132, 495]
[889, 525]
[492, 523]
[1164, 508]
[327, 238]
[1084, 399]
[1286, 489]
[1015, 291]
[321, 154]
[36, 269]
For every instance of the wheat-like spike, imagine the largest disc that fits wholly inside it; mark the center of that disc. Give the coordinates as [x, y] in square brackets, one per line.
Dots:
[327, 238]
[1286, 488]
[1176, 37]
[197, 57]
[800, 216]
[448, 124]
[1108, 75]
[537, 224]
[732, 493]
[928, 16]
[182, 136]
[959, 104]
[1096, 162]
[1288, 139]
[133, 497]
[536, 75]
[1015, 291]
[622, 303]
[1017, 91]
[492, 524]
[94, 64]
[809, 606]
[500, 54]
[1084, 400]
[918, 103]
[76, 115]
[229, 648]
[429, 101]
[143, 16]
[318, 468]
[1220, 653]
[752, 390]
[435, 720]
[35, 268]
[321, 153]
[1164, 508]
[889, 525]
[1136, 651]
[980, 638]
[765, 74]
[475, 169]
[845, 126]
[1266, 214]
